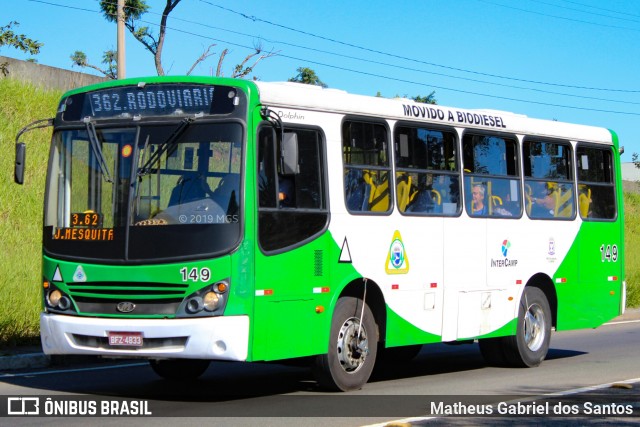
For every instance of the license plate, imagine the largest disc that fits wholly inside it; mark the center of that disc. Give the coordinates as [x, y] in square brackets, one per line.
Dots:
[127, 339]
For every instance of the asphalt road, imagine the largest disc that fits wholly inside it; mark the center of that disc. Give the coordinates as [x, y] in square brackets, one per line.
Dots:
[267, 394]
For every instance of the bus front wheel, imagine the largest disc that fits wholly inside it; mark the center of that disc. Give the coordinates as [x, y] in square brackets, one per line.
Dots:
[353, 344]
[179, 369]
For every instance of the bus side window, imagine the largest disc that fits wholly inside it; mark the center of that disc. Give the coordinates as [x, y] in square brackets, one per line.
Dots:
[596, 183]
[366, 167]
[292, 204]
[427, 173]
[491, 170]
[548, 179]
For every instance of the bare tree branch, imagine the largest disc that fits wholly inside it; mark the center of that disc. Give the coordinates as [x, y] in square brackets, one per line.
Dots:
[207, 53]
[240, 69]
[220, 61]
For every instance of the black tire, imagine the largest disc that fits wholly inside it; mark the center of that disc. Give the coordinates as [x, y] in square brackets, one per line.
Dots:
[350, 360]
[179, 369]
[530, 345]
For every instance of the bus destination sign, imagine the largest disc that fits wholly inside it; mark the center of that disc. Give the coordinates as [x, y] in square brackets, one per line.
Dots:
[155, 100]
[145, 100]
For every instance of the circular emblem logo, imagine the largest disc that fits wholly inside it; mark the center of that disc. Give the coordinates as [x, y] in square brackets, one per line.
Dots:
[397, 254]
[125, 307]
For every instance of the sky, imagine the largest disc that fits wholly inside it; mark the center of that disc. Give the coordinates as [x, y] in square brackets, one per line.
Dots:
[566, 60]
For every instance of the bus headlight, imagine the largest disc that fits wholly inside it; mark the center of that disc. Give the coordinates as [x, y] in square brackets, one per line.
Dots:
[55, 299]
[195, 305]
[211, 301]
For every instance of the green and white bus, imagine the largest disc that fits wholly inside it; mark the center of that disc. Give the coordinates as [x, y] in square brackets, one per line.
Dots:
[191, 219]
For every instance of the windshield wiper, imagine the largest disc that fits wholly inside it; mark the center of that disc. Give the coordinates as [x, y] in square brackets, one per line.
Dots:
[97, 150]
[170, 143]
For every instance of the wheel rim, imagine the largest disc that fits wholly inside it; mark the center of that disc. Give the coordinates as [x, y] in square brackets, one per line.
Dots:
[534, 327]
[352, 351]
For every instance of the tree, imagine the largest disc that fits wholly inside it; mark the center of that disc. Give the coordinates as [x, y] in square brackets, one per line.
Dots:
[109, 59]
[429, 99]
[307, 76]
[17, 41]
[133, 12]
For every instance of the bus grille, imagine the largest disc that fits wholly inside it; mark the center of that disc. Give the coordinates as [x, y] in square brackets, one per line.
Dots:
[150, 298]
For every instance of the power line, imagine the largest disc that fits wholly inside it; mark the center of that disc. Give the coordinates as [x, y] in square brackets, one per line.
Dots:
[601, 8]
[396, 66]
[585, 11]
[257, 19]
[361, 72]
[397, 79]
[465, 91]
[559, 17]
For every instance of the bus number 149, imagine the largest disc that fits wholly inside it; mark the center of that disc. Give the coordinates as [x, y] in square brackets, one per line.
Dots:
[204, 274]
[609, 253]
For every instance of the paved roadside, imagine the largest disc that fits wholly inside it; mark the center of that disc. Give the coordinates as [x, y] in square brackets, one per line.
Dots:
[32, 356]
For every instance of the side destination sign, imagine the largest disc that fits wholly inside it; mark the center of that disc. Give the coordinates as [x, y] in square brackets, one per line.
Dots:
[452, 116]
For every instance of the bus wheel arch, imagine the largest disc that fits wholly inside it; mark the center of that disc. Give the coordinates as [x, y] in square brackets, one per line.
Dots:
[374, 299]
[545, 284]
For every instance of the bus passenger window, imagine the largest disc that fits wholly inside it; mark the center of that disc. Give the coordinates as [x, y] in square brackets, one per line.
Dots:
[548, 180]
[491, 176]
[596, 184]
[427, 173]
[366, 167]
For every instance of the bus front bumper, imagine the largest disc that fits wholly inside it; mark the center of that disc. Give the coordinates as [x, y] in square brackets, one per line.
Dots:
[214, 338]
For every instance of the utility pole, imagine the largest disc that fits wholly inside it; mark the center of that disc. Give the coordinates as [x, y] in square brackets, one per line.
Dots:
[121, 60]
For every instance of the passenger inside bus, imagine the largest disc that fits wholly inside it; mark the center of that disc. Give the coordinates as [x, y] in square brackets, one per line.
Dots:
[542, 201]
[191, 186]
[226, 193]
[478, 206]
[286, 192]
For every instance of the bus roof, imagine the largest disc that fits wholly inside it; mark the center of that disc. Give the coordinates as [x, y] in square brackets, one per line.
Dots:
[288, 95]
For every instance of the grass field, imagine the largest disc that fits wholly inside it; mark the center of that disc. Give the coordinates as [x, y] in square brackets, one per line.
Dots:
[21, 209]
[21, 215]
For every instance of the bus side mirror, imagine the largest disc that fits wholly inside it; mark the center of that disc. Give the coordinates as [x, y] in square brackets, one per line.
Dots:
[289, 154]
[19, 166]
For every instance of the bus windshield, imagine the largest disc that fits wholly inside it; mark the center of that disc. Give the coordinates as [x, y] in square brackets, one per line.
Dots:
[144, 192]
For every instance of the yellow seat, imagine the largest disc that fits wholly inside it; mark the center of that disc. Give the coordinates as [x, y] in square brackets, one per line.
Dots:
[403, 190]
[563, 203]
[584, 200]
[529, 196]
[437, 198]
[379, 194]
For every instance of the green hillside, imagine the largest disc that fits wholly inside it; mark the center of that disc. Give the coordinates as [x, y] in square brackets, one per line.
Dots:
[21, 215]
[21, 209]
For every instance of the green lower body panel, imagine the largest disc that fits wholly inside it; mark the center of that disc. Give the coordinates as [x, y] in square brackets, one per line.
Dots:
[401, 332]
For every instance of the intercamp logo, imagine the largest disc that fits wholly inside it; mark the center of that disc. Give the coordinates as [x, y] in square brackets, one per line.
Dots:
[23, 406]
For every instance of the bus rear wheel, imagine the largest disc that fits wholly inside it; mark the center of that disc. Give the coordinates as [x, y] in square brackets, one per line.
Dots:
[530, 345]
[179, 369]
[353, 344]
